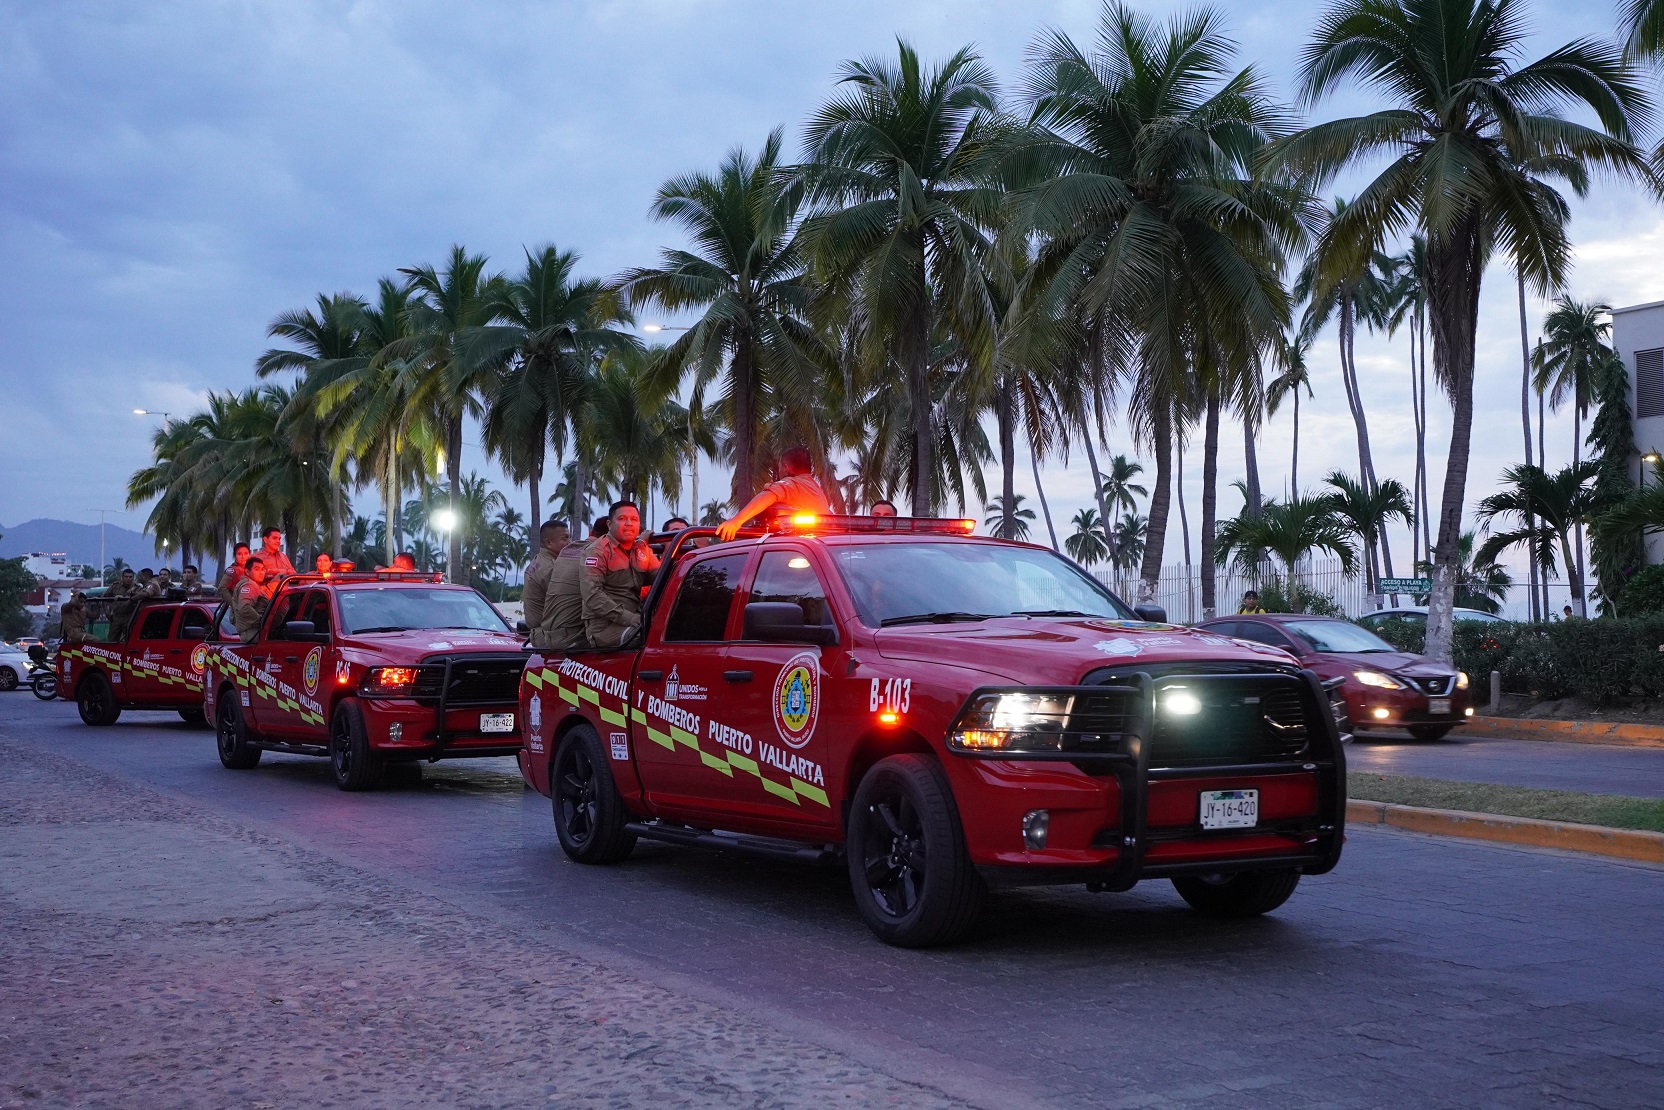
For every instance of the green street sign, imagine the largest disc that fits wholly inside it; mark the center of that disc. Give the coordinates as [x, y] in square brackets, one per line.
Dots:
[1406, 585]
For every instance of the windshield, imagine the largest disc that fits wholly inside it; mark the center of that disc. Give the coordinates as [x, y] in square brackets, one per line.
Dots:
[398, 608]
[1337, 636]
[892, 583]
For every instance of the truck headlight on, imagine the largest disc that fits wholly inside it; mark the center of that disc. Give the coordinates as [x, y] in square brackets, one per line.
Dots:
[390, 682]
[1378, 680]
[1012, 722]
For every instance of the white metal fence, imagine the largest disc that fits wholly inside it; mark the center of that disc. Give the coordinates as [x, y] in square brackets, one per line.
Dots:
[1179, 589]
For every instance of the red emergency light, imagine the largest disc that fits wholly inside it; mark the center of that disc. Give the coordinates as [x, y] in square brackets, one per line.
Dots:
[311, 578]
[801, 523]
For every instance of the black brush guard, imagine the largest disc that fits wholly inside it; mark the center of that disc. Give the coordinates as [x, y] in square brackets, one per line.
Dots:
[1126, 753]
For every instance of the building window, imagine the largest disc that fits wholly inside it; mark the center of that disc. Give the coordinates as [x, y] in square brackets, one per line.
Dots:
[1649, 383]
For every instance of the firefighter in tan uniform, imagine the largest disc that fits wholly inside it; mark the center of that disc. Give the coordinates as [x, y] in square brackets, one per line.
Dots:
[125, 595]
[795, 491]
[253, 597]
[615, 569]
[552, 539]
[72, 619]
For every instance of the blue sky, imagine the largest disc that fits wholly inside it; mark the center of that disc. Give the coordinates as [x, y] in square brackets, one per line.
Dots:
[172, 175]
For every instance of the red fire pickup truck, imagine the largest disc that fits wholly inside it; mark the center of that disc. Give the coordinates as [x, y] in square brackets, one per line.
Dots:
[366, 669]
[941, 712]
[158, 666]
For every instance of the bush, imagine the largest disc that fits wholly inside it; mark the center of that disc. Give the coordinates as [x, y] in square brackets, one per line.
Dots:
[1273, 599]
[1643, 593]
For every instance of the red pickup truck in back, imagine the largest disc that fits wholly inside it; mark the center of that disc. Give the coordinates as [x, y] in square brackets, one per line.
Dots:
[366, 669]
[941, 713]
[158, 666]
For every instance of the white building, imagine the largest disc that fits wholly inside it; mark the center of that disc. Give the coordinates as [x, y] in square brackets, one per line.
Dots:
[1638, 337]
[43, 564]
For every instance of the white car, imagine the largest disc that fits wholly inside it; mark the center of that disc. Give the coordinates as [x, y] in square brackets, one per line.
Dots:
[14, 668]
[1417, 615]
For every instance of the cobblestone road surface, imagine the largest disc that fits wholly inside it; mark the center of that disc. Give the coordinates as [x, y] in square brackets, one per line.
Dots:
[1595, 768]
[179, 935]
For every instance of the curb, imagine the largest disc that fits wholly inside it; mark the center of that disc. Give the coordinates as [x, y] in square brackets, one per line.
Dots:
[1569, 732]
[1630, 844]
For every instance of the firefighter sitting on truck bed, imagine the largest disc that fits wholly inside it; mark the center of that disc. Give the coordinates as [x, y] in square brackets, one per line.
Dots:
[615, 570]
[795, 491]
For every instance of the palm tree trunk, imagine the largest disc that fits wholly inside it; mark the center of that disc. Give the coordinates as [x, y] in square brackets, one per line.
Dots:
[453, 467]
[1045, 508]
[1577, 460]
[1525, 425]
[1097, 477]
[1155, 545]
[1420, 419]
[390, 502]
[1355, 397]
[1426, 500]
[1457, 269]
[1184, 529]
[534, 473]
[743, 487]
[1210, 502]
[918, 393]
[1294, 462]
[1005, 417]
[1251, 462]
[1542, 458]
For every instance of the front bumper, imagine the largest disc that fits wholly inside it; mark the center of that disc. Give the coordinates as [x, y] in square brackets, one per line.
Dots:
[1129, 809]
[1370, 707]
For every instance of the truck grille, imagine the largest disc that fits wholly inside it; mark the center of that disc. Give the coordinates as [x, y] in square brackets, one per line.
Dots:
[1242, 718]
[475, 680]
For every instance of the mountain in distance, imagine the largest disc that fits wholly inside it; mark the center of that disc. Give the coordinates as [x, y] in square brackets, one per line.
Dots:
[78, 541]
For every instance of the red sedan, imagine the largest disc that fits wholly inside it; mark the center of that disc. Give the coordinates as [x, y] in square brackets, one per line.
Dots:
[1385, 687]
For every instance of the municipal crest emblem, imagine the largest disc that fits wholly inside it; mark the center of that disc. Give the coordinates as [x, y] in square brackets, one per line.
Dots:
[797, 699]
[314, 663]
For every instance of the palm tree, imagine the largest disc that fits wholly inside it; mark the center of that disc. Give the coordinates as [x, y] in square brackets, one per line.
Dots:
[1643, 28]
[453, 303]
[1118, 489]
[713, 513]
[1543, 509]
[1014, 518]
[1156, 236]
[897, 169]
[1291, 357]
[1406, 301]
[1087, 545]
[643, 434]
[547, 326]
[1463, 126]
[1128, 539]
[1291, 530]
[1366, 512]
[745, 274]
[1481, 585]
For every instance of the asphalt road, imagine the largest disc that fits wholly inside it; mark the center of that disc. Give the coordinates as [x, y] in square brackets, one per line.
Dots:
[1423, 972]
[1593, 768]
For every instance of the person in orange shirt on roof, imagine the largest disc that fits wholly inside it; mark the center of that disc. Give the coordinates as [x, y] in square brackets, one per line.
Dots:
[795, 491]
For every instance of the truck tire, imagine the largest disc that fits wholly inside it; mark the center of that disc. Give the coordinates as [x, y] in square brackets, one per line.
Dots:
[1245, 895]
[912, 876]
[193, 716]
[1430, 733]
[238, 751]
[95, 698]
[589, 814]
[357, 766]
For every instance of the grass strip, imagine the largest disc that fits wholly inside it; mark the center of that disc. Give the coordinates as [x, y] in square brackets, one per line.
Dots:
[1610, 810]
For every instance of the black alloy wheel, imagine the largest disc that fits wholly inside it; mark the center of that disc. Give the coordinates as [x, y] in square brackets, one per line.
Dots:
[231, 737]
[95, 699]
[8, 679]
[589, 814]
[911, 874]
[356, 765]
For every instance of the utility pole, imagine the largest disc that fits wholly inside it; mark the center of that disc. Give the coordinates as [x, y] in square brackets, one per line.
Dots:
[102, 513]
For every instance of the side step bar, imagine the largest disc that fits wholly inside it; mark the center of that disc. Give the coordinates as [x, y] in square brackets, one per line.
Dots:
[291, 749]
[793, 850]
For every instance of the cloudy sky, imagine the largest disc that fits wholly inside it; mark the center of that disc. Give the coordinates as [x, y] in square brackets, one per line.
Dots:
[172, 175]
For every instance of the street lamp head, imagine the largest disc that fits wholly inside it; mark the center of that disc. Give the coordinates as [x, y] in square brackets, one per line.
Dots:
[444, 520]
[1651, 456]
[141, 412]
[652, 327]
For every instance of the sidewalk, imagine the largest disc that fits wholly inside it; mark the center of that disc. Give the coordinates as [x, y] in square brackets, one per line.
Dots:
[157, 956]
[1617, 733]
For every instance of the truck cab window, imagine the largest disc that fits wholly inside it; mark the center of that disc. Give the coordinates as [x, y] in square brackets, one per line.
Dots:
[316, 610]
[157, 624]
[704, 600]
[289, 612]
[194, 618]
[788, 576]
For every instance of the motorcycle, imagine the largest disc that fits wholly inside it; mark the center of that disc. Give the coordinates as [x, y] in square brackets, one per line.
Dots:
[43, 679]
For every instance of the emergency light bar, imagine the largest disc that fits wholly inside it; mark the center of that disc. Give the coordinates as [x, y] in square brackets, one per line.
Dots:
[800, 523]
[313, 578]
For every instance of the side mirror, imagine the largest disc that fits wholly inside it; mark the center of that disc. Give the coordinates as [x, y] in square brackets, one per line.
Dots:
[1155, 614]
[782, 621]
[302, 630]
[196, 633]
[522, 628]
